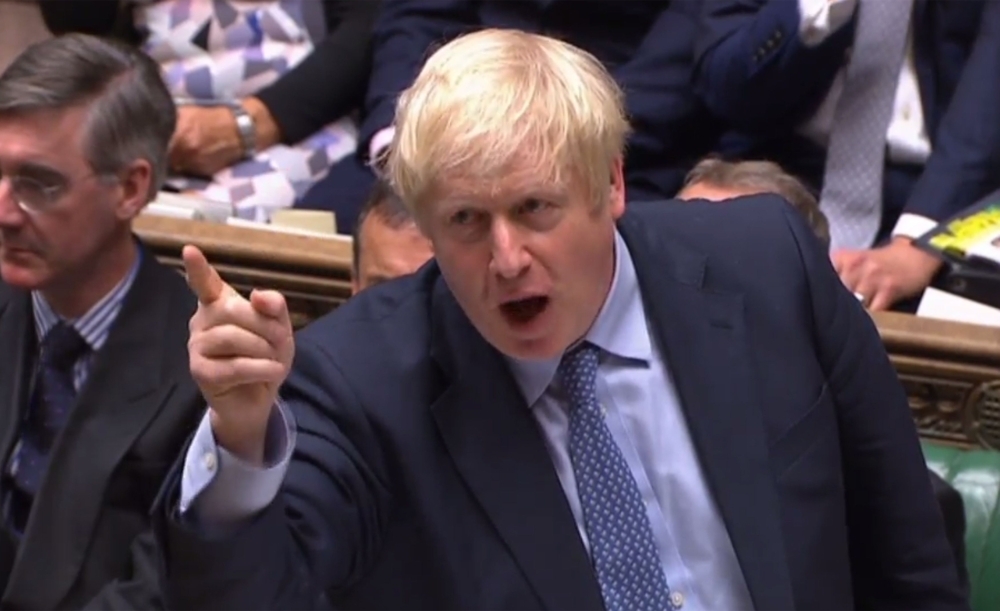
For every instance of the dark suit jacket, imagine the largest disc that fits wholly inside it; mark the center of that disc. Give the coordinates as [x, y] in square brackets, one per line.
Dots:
[754, 71]
[647, 45]
[420, 480]
[131, 420]
[327, 85]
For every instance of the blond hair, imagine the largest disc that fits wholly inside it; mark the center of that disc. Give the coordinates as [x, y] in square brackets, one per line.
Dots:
[495, 98]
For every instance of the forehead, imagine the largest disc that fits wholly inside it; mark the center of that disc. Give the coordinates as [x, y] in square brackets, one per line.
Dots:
[502, 189]
[43, 137]
[375, 232]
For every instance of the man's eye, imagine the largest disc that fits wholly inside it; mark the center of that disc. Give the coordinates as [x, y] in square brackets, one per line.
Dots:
[533, 206]
[463, 217]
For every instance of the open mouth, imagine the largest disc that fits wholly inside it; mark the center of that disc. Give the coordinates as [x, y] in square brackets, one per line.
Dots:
[522, 311]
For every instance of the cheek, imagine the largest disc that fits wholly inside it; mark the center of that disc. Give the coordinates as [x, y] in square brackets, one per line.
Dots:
[465, 274]
[76, 237]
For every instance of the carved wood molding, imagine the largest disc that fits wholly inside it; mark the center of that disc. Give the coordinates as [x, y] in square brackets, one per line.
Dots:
[951, 373]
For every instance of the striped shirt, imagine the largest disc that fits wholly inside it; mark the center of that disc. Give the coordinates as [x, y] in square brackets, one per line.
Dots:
[93, 327]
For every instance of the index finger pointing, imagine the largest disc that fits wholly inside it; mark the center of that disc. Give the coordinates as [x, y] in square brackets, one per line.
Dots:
[202, 277]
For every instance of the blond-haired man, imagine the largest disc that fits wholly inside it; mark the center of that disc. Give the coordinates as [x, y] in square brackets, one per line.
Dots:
[536, 420]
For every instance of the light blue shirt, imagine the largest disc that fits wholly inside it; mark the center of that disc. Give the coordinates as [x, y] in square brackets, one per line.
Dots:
[645, 419]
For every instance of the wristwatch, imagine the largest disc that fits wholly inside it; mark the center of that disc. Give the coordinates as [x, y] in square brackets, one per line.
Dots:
[247, 130]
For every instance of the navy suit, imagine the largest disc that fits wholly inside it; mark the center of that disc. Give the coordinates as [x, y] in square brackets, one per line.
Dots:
[754, 71]
[420, 480]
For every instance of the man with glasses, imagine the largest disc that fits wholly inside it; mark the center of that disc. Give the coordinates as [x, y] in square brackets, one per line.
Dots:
[95, 395]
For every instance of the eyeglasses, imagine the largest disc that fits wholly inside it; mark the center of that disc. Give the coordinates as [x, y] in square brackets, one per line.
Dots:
[36, 197]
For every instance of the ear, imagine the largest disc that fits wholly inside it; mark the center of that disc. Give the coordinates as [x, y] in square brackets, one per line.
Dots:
[135, 181]
[616, 198]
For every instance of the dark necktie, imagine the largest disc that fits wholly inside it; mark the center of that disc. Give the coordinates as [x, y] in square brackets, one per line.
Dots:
[52, 401]
[622, 548]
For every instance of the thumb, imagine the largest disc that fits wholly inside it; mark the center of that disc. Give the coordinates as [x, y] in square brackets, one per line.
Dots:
[202, 277]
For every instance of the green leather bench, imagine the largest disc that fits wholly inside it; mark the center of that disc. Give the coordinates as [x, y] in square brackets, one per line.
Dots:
[976, 476]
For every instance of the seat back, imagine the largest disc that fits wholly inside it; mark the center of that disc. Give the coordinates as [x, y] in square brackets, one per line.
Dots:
[975, 474]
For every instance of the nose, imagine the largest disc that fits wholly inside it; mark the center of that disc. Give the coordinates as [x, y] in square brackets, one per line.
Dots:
[510, 259]
[11, 214]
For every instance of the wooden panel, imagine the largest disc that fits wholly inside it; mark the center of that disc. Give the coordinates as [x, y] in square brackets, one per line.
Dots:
[951, 371]
[313, 273]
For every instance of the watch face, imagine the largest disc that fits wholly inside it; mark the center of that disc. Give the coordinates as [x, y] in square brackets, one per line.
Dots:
[245, 127]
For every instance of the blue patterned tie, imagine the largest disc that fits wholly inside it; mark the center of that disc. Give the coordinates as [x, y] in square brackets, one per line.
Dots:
[53, 399]
[624, 554]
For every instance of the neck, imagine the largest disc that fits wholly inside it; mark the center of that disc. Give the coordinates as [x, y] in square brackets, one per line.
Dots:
[75, 296]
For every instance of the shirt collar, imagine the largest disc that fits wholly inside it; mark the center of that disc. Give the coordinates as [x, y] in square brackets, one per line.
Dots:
[95, 325]
[620, 329]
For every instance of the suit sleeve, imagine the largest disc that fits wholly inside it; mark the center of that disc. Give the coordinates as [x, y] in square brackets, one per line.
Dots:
[899, 551]
[137, 590]
[657, 85]
[405, 33]
[965, 162]
[753, 69]
[318, 535]
[97, 18]
[330, 82]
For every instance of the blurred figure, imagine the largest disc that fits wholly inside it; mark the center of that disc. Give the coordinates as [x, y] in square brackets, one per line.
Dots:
[716, 180]
[648, 45]
[266, 87]
[887, 109]
[96, 398]
[387, 243]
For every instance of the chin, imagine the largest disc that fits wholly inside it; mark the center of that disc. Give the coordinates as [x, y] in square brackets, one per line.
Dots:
[20, 276]
[529, 349]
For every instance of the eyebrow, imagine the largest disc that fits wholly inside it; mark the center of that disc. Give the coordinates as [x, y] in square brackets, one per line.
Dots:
[540, 193]
[40, 171]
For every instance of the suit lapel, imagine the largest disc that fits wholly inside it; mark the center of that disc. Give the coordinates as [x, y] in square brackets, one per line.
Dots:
[126, 389]
[496, 445]
[703, 337]
[17, 339]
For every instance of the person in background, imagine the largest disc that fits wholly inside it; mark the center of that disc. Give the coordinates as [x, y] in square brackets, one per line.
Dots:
[387, 242]
[888, 110]
[715, 179]
[265, 87]
[577, 404]
[96, 398]
[647, 44]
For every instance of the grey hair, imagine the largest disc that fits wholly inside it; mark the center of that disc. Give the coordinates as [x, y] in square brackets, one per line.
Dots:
[767, 176]
[131, 113]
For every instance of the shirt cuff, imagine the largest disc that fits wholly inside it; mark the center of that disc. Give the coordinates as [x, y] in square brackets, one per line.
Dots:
[913, 226]
[818, 19]
[218, 489]
[379, 142]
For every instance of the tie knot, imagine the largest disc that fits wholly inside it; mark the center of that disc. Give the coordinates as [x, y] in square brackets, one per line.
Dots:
[62, 346]
[578, 372]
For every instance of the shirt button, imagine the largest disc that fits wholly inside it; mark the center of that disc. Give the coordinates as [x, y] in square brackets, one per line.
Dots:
[907, 113]
[208, 461]
[677, 599]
